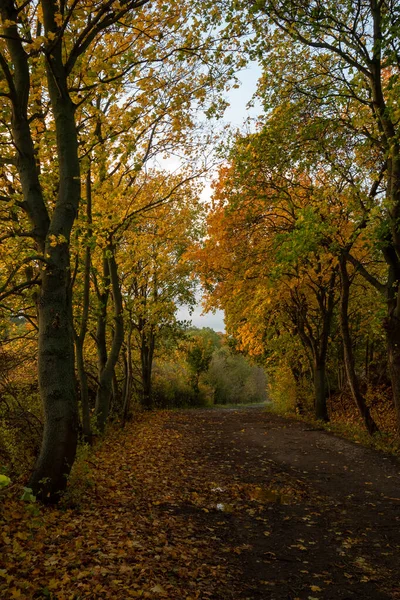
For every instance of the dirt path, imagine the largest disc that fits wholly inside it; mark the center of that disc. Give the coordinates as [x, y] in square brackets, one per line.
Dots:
[211, 505]
[311, 515]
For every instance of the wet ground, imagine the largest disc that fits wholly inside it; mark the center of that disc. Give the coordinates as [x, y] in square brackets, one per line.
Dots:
[292, 512]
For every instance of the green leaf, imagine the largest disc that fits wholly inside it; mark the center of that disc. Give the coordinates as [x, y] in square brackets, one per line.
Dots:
[27, 495]
[4, 481]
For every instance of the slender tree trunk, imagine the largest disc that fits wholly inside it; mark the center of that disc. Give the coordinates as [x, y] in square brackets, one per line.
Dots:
[147, 390]
[101, 331]
[127, 393]
[147, 352]
[80, 337]
[297, 378]
[348, 351]
[84, 389]
[104, 390]
[115, 395]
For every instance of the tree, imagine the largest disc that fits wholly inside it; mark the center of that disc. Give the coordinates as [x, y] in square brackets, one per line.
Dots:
[272, 255]
[54, 58]
[200, 348]
[157, 277]
[341, 61]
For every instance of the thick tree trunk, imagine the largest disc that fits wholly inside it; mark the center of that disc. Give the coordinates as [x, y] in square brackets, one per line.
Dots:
[57, 385]
[320, 391]
[56, 365]
[348, 351]
[393, 346]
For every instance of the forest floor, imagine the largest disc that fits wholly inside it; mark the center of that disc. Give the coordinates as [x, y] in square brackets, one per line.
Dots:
[212, 504]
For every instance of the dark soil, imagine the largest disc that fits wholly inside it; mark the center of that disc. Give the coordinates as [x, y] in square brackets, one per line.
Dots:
[292, 511]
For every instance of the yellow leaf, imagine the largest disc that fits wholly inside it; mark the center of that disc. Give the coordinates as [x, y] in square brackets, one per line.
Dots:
[53, 584]
[158, 589]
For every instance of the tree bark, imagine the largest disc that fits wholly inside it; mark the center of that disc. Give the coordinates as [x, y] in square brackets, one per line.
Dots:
[297, 378]
[392, 325]
[57, 385]
[80, 337]
[104, 390]
[83, 383]
[56, 362]
[315, 338]
[101, 331]
[146, 355]
[348, 351]
[127, 390]
[55, 348]
[371, 65]
[321, 411]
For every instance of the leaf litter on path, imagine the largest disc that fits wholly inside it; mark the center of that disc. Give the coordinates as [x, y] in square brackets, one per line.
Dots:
[142, 520]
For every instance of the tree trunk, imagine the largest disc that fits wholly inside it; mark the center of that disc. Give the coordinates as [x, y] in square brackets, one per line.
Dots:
[115, 395]
[57, 384]
[104, 390]
[127, 392]
[348, 351]
[147, 391]
[393, 345]
[147, 352]
[101, 337]
[367, 360]
[321, 411]
[147, 355]
[56, 349]
[80, 363]
[297, 378]
[80, 337]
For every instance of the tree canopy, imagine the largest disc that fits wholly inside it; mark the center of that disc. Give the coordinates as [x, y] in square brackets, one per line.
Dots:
[109, 121]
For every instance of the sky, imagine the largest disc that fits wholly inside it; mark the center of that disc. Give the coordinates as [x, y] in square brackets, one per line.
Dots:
[236, 114]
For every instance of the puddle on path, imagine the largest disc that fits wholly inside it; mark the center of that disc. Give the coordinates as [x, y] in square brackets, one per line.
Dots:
[273, 494]
[264, 495]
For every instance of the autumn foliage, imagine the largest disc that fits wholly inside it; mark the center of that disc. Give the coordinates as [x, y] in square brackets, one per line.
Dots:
[109, 123]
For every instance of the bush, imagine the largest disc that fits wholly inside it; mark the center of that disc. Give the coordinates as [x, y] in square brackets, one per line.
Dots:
[235, 380]
[172, 387]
